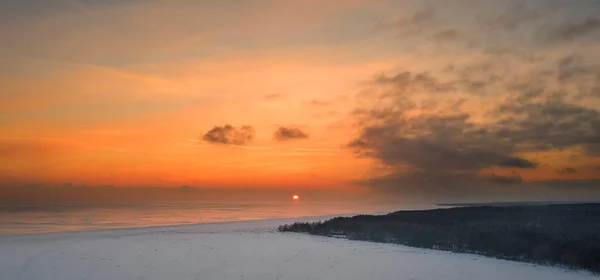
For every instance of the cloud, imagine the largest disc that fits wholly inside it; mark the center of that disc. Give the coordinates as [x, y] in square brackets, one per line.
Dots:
[316, 102]
[448, 35]
[570, 67]
[285, 134]
[418, 180]
[550, 123]
[408, 82]
[430, 140]
[229, 135]
[517, 15]
[567, 170]
[573, 69]
[410, 25]
[473, 79]
[517, 162]
[570, 31]
[445, 187]
[274, 96]
[506, 52]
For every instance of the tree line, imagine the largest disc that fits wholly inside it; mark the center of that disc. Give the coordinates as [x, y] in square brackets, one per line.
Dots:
[567, 235]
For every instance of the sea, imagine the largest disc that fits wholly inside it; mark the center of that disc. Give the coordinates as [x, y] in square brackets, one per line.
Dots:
[35, 216]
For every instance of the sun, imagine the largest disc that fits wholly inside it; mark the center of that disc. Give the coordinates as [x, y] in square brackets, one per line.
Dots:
[295, 197]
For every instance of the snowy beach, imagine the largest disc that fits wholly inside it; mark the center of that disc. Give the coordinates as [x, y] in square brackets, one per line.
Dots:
[250, 250]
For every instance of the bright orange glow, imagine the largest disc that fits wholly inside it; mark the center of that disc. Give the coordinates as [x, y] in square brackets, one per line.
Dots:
[295, 197]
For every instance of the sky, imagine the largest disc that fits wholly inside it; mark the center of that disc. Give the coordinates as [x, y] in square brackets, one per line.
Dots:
[449, 98]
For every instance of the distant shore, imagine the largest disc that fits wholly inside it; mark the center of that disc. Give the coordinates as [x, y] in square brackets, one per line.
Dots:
[514, 203]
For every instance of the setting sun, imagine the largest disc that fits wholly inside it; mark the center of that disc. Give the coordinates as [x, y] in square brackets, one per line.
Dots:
[295, 197]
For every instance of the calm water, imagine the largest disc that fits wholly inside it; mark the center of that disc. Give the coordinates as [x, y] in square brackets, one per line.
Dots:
[58, 217]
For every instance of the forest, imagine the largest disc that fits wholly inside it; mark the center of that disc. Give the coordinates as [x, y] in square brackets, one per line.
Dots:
[567, 235]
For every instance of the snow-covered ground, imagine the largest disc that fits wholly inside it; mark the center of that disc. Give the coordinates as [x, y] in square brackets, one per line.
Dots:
[242, 250]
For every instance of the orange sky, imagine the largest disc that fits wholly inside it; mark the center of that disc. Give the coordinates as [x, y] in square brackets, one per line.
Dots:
[121, 93]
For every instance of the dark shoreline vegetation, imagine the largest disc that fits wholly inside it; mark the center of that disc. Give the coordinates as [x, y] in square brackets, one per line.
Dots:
[563, 234]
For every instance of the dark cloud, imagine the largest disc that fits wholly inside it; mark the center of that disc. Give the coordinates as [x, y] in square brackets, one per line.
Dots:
[505, 52]
[583, 75]
[415, 181]
[516, 162]
[433, 142]
[229, 135]
[11, 10]
[571, 67]
[407, 82]
[448, 34]
[412, 24]
[436, 186]
[475, 79]
[550, 123]
[418, 18]
[570, 31]
[567, 170]
[287, 133]
[429, 142]
[518, 14]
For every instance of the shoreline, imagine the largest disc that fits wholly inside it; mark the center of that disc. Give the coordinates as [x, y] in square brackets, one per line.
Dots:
[268, 223]
[284, 220]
